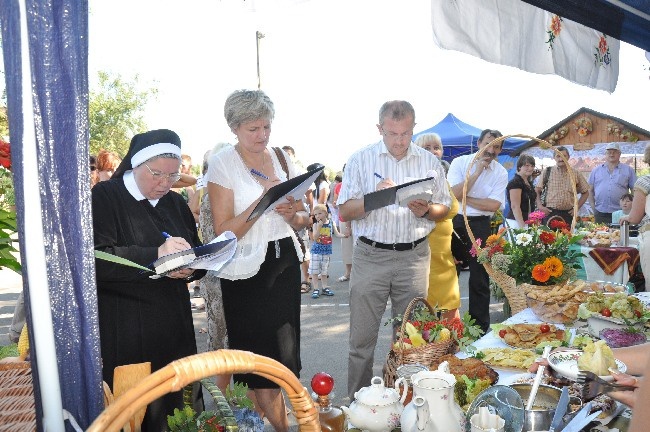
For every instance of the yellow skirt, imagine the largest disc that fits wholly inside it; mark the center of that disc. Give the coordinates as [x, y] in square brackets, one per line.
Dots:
[443, 279]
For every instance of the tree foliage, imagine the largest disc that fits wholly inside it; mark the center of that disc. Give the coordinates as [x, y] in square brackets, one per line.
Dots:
[115, 112]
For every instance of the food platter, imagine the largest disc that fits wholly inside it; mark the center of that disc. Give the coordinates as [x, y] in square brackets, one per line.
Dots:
[528, 336]
[565, 363]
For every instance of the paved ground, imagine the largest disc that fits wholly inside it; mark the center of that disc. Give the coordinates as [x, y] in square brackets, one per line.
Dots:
[325, 323]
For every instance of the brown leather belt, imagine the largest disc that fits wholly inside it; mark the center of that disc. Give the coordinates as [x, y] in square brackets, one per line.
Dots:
[400, 247]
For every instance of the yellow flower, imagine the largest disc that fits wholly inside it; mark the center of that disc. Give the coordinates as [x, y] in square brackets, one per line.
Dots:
[554, 266]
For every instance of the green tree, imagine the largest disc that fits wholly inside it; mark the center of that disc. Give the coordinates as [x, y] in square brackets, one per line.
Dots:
[115, 112]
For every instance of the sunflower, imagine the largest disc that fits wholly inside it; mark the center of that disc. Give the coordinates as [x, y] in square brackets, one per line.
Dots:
[541, 273]
[554, 266]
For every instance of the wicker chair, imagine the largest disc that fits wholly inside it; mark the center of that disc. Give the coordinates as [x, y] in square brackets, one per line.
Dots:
[179, 373]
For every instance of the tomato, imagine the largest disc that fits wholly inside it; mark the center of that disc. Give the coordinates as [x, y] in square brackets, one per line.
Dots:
[545, 328]
[502, 333]
[637, 313]
[606, 312]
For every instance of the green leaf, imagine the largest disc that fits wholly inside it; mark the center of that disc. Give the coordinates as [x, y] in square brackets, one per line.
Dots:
[119, 260]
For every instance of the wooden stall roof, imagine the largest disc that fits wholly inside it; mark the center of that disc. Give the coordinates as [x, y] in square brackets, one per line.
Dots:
[605, 128]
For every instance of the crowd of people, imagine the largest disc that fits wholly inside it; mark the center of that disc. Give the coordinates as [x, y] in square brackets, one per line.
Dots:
[391, 253]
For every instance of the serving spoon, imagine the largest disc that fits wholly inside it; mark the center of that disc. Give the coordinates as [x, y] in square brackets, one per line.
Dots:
[538, 380]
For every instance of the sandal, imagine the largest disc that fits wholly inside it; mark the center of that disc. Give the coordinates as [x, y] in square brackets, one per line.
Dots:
[315, 294]
[305, 287]
[343, 279]
[328, 292]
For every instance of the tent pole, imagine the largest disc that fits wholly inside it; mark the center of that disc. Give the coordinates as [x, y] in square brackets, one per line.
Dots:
[39, 293]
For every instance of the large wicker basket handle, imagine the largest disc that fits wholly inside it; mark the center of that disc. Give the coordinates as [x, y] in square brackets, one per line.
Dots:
[406, 316]
[179, 373]
[544, 145]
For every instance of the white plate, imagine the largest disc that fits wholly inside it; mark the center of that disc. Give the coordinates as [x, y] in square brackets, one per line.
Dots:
[566, 364]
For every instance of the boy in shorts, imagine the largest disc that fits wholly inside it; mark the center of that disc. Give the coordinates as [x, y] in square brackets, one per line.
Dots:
[321, 249]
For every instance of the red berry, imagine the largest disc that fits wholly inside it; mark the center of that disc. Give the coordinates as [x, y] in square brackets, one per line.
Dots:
[322, 383]
[502, 333]
[545, 328]
[606, 312]
[637, 313]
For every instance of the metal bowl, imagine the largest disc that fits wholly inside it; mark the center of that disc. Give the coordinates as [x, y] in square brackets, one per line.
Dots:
[539, 418]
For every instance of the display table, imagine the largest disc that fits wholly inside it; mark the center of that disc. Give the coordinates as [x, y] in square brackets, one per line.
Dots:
[506, 376]
[591, 270]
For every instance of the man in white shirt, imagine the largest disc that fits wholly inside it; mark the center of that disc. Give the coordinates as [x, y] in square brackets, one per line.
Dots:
[486, 188]
[391, 258]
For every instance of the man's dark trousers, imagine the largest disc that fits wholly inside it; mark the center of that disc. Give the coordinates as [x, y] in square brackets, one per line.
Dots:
[479, 281]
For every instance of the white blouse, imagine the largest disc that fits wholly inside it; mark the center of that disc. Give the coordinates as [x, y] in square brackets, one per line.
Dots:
[227, 169]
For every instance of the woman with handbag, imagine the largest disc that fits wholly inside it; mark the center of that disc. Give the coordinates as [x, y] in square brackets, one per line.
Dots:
[259, 285]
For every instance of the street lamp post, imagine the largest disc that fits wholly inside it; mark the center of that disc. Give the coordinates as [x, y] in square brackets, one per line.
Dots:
[258, 35]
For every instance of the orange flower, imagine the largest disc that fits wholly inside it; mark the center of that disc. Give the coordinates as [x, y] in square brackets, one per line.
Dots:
[541, 273]
[495, 239]
[554, 266]
[556, 25]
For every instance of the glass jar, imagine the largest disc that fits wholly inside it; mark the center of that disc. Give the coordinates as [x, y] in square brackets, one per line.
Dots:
[406, 371]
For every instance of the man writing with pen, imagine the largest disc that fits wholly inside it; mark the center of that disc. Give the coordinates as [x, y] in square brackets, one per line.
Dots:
[391, 258]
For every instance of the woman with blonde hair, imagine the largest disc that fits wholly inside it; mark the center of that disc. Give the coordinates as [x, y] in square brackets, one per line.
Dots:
[261, 299]
[443, 276]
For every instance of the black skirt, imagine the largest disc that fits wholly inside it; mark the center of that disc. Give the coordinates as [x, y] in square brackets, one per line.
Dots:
[263, 312]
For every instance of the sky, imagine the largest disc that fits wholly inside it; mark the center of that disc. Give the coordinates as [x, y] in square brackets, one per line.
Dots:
[328, 66]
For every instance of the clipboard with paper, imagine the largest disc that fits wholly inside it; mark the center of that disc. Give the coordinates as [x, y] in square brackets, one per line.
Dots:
[295, 187]
[400, 194]
[210, 256]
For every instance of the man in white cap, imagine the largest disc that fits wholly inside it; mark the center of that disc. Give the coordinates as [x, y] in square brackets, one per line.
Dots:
[608, 182]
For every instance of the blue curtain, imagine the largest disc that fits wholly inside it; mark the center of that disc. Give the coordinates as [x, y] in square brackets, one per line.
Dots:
[58, 49]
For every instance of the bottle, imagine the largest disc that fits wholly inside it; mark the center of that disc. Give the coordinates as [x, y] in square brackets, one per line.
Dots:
[332, 419]
[625, 233]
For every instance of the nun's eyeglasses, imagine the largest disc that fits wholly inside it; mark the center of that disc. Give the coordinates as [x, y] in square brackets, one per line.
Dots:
[158, 176]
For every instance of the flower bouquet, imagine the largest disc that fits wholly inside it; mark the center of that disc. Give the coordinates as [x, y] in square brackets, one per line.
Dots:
[537, 255]
[235, 411]
[424, 337]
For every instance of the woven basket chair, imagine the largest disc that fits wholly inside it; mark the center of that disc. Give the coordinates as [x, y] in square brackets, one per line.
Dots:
[516, 297]
[179, 373]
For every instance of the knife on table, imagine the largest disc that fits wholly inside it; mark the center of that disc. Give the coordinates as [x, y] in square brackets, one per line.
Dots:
[560, 410]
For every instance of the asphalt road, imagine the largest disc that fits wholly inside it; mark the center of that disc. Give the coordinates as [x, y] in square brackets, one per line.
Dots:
[325, 324]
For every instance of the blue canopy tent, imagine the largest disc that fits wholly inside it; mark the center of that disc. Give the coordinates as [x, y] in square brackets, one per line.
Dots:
[459, 138]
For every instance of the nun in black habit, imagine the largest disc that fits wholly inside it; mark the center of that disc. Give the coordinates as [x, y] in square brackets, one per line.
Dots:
[143, 319]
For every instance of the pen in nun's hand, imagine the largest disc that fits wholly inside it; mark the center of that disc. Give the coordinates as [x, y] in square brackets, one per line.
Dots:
[166, 235]
[259, 174]
[378, 176]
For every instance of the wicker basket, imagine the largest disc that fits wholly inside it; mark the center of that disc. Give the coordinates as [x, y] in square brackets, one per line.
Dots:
[17, 407]
[516, 297]
[425, 354]
[179, 373]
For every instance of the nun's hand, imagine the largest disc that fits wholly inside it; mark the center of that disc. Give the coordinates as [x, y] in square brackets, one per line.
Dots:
[173, 244]
[181, 274]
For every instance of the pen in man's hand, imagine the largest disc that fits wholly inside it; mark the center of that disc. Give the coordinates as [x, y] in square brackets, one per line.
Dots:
[259, 174]
[166, 235]
[378, 176]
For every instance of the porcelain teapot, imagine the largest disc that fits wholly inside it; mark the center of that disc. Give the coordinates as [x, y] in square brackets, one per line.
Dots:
[375, 408]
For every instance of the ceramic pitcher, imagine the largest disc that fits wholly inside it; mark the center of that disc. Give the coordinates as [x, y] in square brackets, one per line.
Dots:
[437, 387]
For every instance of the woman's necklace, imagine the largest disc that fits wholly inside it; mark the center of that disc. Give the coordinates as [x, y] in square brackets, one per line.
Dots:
[248, 165]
